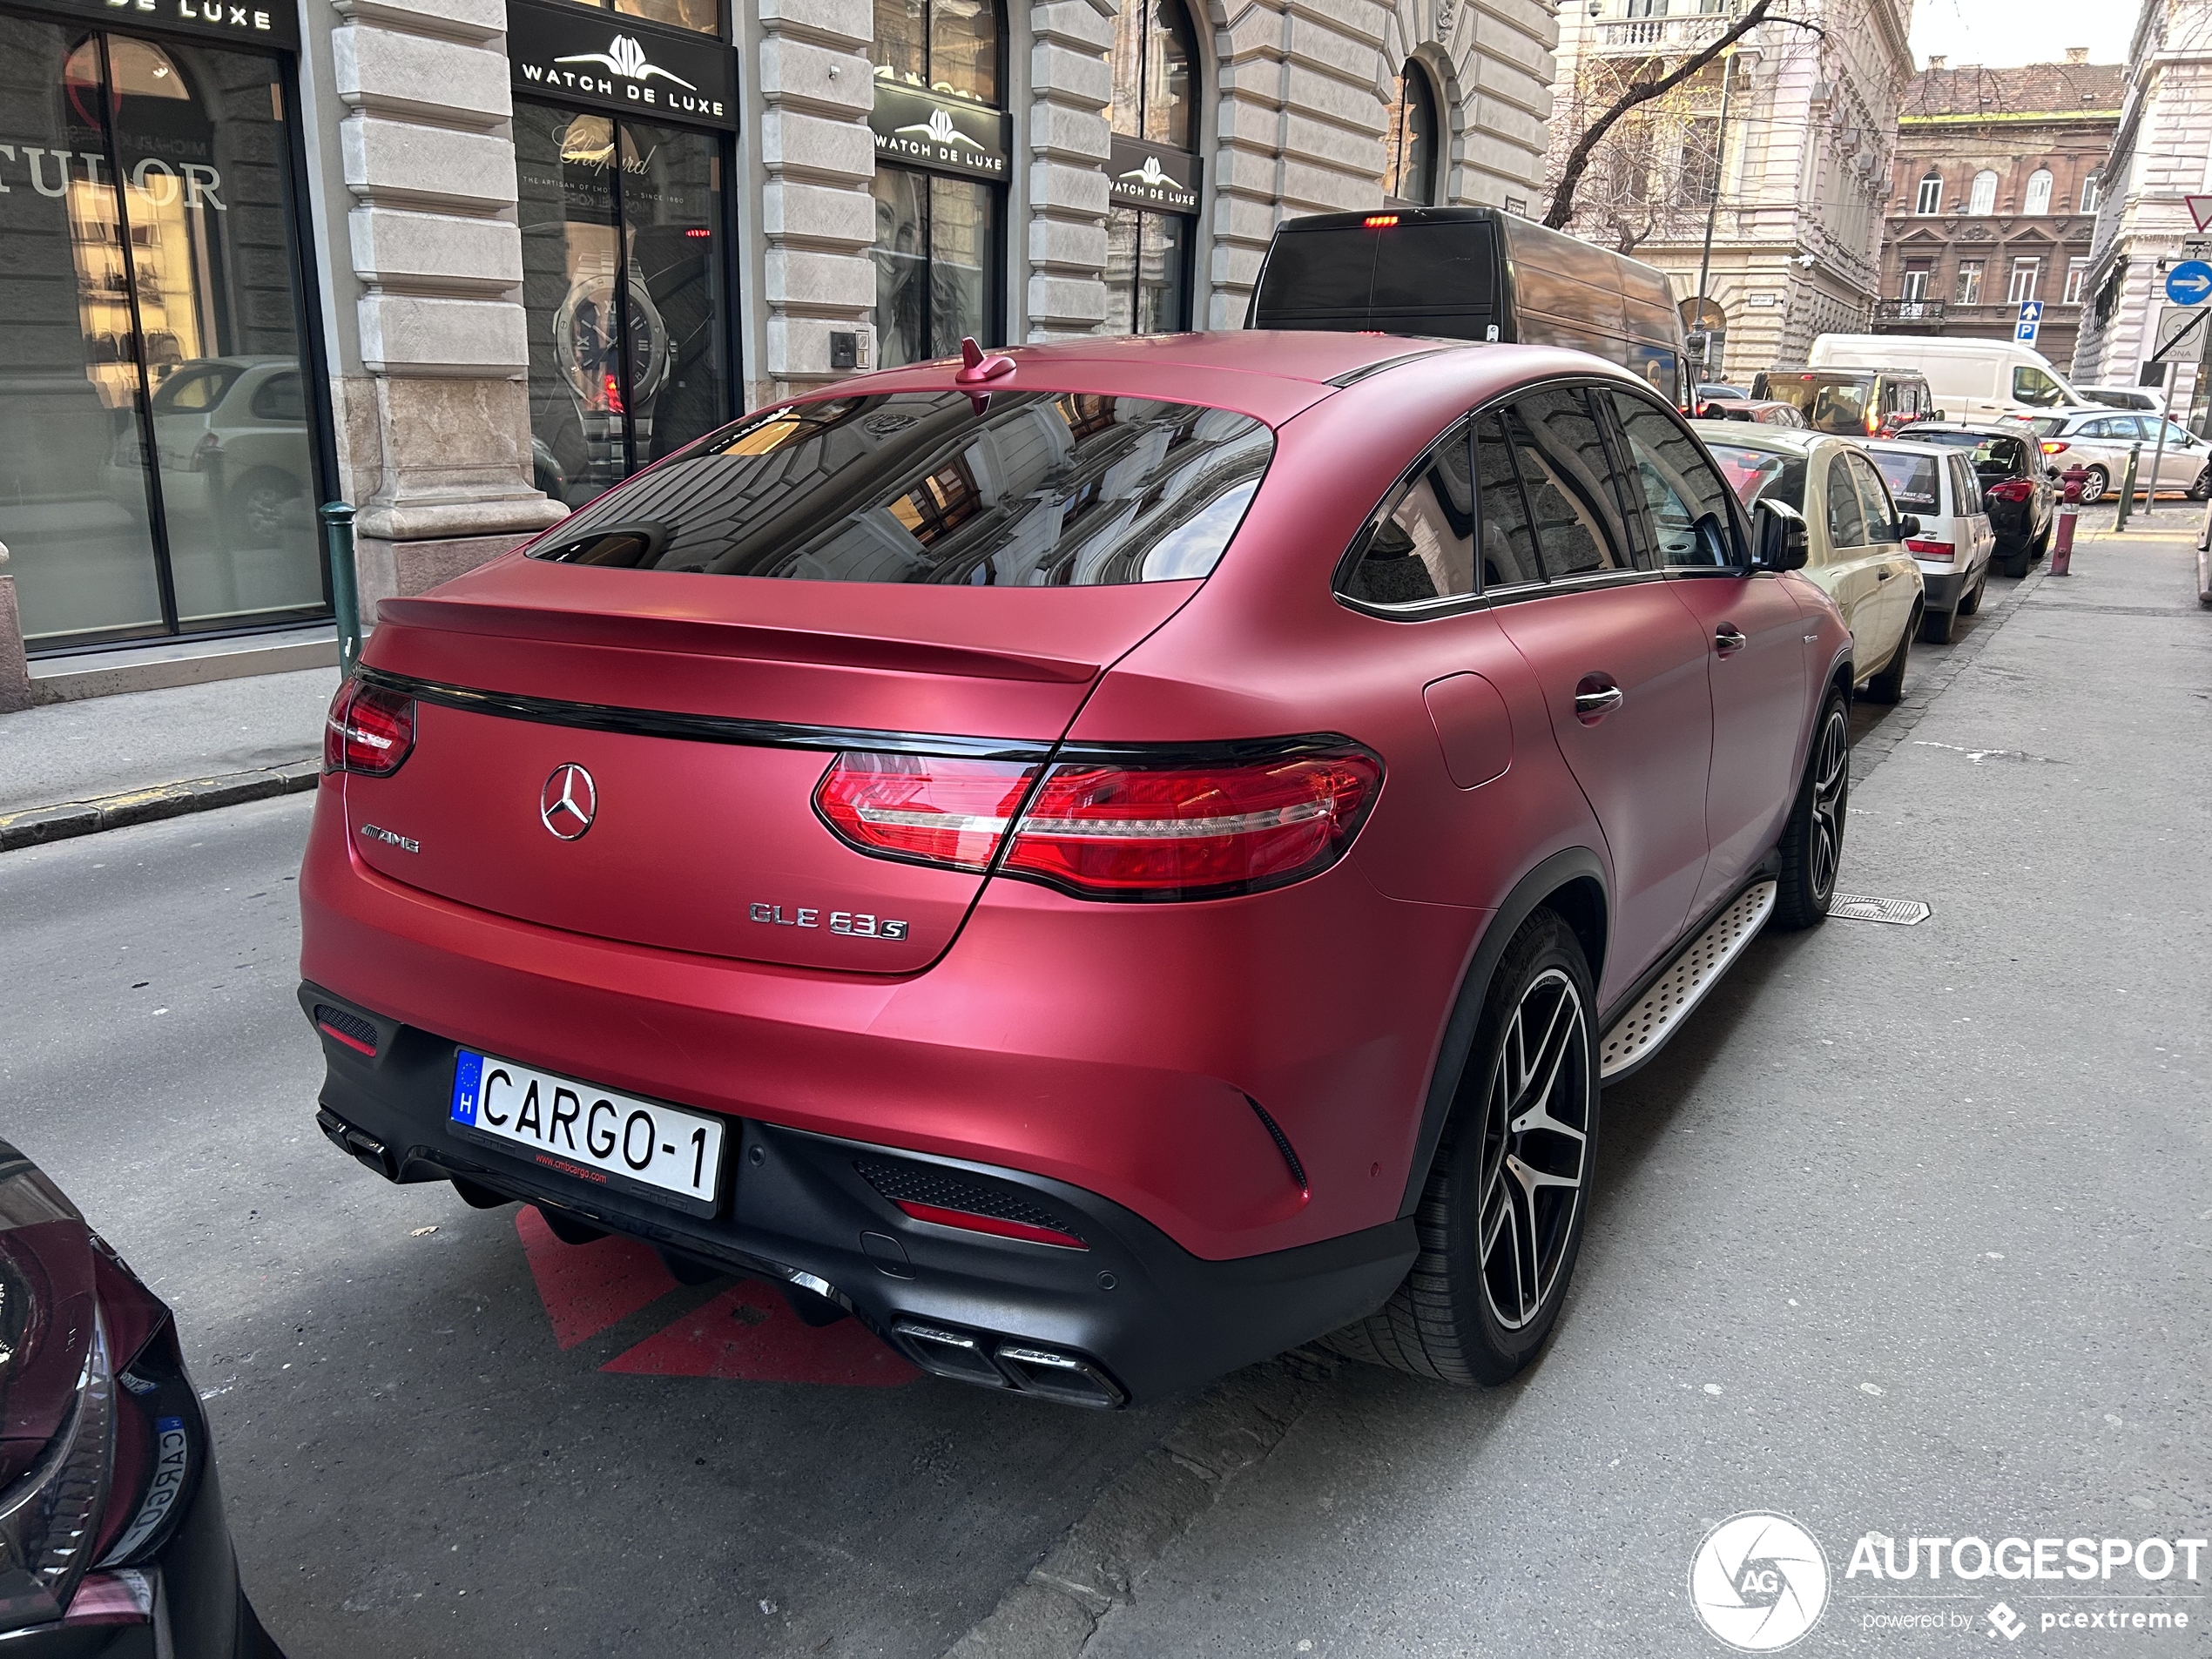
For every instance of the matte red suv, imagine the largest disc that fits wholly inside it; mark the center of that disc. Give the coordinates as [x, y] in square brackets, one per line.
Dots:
[1105, 862]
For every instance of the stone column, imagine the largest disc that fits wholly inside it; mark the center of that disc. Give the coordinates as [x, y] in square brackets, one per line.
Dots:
[14, 672]
[1071, 84]
[818, 166]
[436, 430]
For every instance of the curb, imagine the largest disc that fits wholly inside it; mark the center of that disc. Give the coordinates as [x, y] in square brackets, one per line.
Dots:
[35, 826]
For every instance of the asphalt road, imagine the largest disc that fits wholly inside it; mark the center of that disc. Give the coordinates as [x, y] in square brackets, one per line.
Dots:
[1906, 1233]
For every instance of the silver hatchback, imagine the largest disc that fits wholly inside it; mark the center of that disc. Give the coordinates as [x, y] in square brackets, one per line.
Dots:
[1935, 483]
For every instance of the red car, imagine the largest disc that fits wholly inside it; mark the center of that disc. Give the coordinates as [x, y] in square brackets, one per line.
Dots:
[1105, 862]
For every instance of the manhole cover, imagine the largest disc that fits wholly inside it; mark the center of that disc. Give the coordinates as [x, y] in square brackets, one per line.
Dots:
[1901, 912]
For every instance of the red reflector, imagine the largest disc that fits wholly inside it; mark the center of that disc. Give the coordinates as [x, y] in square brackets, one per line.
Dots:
[1191, 831]
[368, 730]
[1379, 221]
[929, 808]
[697, 234]
[351, 1041]
[992, 1224]
[1930, 549]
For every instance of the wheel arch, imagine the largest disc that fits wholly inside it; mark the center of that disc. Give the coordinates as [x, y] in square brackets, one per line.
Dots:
[1573, 882]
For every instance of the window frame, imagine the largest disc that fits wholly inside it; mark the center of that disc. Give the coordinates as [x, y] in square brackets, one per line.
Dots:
[2077, 275]
[1982, 201]
[1410, 72]
[1927, 200]
[2035, 200]
[2016, 291]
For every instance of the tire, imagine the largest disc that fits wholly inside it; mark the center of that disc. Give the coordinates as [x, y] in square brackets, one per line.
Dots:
[1469, 1314]
[2041, 545]
[1888, 686]
[1972, 603]
[1936, 626]
[2200, 487]
[261, 504]
[1812, 842]
[2013, 564]
[2094, 487]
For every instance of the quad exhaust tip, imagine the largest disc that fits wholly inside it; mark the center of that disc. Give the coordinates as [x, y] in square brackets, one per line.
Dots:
[1008, 1362]
[358, 1143]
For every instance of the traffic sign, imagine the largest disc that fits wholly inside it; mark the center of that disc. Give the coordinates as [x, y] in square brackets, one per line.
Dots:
[2177, 326]
[2201, 211]
[2190, 283]
[2031, 320]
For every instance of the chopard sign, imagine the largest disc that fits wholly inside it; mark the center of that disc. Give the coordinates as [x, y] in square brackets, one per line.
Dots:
[572, 55]
[951, 135]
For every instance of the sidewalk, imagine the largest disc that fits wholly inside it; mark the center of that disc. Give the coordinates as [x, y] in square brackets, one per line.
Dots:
[71, 768]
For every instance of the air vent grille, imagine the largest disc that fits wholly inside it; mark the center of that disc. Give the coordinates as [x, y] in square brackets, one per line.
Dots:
[925, 1183]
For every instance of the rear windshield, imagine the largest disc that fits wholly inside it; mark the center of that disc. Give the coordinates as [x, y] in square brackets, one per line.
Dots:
[1342, 276]
[1760, 475]
[1994, 457]
[1830, 402]
[1033, 489]
[1914, 481]
[2047, 426]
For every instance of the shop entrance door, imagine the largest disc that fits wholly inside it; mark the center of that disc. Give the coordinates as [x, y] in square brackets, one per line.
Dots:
[158, 465]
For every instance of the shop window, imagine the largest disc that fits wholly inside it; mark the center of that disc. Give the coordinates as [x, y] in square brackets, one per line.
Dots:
[623, 280]
[942, 162]
[1152, 175]
[1982, 198]
[2038, 199]
[156, 477]
[1931, 197]
[1411, 131]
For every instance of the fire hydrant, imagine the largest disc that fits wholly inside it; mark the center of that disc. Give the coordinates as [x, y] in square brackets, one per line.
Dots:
[2070, 508]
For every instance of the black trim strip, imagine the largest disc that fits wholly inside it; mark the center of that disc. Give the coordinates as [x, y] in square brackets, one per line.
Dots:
[701, 728]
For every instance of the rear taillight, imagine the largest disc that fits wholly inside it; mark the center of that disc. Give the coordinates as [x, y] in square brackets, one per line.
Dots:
[205, 454]
[2053, 447]
[369, 730]
[1921, 549]
[2011, 489]
[1129, 827]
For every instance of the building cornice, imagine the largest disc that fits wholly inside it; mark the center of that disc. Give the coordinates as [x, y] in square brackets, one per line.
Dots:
[2056, 118]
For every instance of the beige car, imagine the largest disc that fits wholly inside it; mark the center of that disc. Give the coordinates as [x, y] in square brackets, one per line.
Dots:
[1854, 534]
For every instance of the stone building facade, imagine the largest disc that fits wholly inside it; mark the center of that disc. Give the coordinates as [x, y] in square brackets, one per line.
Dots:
[464, 263]
[1792, 181]
[2162, 153]
[1994, 196]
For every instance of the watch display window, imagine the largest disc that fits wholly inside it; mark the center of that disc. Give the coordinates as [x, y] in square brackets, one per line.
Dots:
[623, 285]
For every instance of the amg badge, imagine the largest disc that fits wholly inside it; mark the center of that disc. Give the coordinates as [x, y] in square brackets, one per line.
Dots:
[841, 921]
[392, 838]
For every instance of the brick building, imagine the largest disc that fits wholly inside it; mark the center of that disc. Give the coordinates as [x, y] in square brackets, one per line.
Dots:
[1994, 198]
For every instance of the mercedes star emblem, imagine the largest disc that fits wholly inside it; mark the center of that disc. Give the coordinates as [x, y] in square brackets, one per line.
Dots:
[569, 802]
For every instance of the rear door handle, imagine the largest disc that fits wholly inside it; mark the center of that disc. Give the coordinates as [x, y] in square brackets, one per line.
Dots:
[1728, 639]
[1595, 704]
[1883, 575]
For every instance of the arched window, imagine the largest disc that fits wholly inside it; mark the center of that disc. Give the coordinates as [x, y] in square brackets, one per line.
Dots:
[1152, 169]
[941, 148]
[2038, 199]
[1931, 198]
[1982, 198]
[1410, 136]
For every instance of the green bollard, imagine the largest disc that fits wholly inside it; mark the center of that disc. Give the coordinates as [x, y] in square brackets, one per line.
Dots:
[2128, 487]
[345, 586]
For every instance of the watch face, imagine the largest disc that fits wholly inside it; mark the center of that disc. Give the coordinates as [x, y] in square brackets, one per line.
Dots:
[584, 336]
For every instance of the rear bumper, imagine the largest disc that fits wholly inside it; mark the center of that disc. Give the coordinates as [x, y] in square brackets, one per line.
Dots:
[1941, 586]
[809, 1212]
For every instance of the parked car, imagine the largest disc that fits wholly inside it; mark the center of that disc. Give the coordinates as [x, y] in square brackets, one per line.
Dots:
[1935, 483]
[1850, 402]
[1472, 273]
[2018, 487]
[1766, 412]
[2120, 397]
[112, 1540]
[233, 437]
[1972, 380]
[1709, 398]
[933, 935]
[1856, 554]
[2099, 442]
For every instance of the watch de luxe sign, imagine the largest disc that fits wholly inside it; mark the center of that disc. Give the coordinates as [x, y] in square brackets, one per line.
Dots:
[949, 134]
[602, 60]
[252, 23]
[1142, 175]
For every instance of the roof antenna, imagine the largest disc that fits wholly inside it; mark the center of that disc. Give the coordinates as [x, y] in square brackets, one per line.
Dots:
[976, 367]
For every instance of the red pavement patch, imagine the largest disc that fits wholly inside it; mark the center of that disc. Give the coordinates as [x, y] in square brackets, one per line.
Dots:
[747, 1334]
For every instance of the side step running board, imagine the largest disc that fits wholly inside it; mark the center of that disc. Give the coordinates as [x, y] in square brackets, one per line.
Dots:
[1637, 1035]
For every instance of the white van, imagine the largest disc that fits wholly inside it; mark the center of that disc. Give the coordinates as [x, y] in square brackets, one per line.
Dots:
[1972, 380]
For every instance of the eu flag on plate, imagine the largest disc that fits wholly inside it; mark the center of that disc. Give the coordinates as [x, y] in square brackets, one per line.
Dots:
[468, 1080]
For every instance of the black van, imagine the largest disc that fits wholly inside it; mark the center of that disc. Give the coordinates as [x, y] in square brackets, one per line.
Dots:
[1471, 273]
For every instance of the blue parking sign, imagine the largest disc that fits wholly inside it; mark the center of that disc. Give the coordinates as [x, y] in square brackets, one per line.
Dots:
[2031, 321]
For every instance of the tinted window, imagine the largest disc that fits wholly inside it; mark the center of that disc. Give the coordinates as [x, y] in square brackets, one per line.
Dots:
[1875, 506]
[1442, 273]
[278, 399]
[1037, 489]
[1847, 523]
[1310, 272]
[1421, 545]
[1913, 480]
[1446, 266]
[1508, 544]
[193, 389]
[1760, 475]
[1688, 503]
[1565, 469]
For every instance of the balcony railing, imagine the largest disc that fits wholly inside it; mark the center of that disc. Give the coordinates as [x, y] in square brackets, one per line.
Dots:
[1660, 34]
[1909, 313]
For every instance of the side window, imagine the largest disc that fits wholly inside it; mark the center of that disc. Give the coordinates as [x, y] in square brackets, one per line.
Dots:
[1563, 465]
[1691, 510]
[2100, 429]
[1874, 502]
[1509, 557]
[1421, 543]
[1964, 490]
[1847, 523]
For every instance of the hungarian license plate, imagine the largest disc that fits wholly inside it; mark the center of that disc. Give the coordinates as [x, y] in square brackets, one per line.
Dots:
[590, 1134]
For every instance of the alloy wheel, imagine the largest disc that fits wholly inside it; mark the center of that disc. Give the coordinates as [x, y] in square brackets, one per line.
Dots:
[1536, 1148]
[1831, 782]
